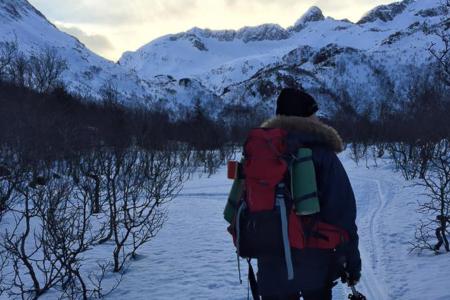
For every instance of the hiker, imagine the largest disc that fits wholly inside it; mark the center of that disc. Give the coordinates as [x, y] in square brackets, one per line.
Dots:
[441, 233]
[319, 246]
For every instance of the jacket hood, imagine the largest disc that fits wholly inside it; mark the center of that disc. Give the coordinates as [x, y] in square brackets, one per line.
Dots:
[314, 132]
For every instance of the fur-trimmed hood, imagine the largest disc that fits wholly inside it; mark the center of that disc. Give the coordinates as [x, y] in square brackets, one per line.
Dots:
[314, 131]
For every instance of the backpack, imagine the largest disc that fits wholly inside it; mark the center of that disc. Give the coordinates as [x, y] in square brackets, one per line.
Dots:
[261, 208]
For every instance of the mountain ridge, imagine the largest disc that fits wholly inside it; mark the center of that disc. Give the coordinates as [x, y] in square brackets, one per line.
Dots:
[247, 65]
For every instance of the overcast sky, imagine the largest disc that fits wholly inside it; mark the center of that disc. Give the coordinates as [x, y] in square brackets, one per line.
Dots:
[110, 27]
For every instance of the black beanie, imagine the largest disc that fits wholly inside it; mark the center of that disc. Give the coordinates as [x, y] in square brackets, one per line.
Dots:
[293, 102]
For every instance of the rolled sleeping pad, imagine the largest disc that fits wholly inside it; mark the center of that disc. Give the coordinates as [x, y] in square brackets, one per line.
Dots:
[303, 184]
[235, 172]
[233, 199]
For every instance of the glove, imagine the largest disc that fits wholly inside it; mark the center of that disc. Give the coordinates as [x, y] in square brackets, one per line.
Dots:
[352, 272]
[351, 278]
[348, 264]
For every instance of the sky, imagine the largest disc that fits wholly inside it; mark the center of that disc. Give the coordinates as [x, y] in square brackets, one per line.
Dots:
[111, 27]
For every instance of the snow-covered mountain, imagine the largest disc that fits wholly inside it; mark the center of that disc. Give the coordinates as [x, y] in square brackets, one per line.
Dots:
[88, 72]
[321, 54]
[250, 65]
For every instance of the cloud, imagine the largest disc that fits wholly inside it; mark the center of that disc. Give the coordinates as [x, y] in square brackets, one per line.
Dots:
[114, 12]
[176, 8]
[230, 2]
[96, 42]
[349, 9]
[281, 3]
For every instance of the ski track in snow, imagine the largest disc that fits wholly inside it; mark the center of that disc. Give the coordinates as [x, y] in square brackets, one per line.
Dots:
[370, 285]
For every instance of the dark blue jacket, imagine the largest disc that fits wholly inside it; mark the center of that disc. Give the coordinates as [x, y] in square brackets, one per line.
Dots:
[315, 268]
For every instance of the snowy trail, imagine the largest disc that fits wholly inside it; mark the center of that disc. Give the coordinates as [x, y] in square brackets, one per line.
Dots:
[370, 285]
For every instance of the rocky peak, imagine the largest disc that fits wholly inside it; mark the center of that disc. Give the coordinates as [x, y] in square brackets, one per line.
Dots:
[314, 14]
[385, 13]
[266, 32]
[221, 35]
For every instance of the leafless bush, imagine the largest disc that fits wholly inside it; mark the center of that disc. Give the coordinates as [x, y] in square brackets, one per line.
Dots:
[41, 71]
[96, 280]
[411, 159]
[34, 270]
[48, 235]
[109, 93]
[86, 171]
[8, 52]
[377, 151]
[46, 69]
[437, 185]
[3, 266]
[9, 179]
[423, 236]
[19, 71]
[138, 184]
[209, 161]
[358, 151]
[68, 233]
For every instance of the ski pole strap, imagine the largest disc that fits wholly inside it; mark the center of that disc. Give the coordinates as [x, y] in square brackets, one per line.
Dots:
[252, 281]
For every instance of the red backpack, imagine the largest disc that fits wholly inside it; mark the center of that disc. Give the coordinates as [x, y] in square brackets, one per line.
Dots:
[265, 222]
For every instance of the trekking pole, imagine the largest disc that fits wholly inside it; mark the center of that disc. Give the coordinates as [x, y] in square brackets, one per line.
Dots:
[355, 295]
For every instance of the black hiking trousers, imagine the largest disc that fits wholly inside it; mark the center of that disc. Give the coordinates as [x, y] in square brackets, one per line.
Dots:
[442, 239]
[322, 294]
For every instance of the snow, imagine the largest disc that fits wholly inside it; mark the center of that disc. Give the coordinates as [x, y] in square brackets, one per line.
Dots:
[313, 14]
[178, 58]
[193, 256]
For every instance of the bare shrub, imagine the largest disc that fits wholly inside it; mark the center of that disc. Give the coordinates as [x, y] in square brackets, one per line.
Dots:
[138, 184]
[437, 205]
[8, 52]
[9, 178]
[19, 71]
[48, 235]
[46, 69]
[34, 270]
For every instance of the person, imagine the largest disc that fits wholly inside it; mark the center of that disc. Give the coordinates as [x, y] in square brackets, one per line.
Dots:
[441, 233]
[315, 270]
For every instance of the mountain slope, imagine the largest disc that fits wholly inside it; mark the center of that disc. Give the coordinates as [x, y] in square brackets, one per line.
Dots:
[33, 32]
[388, 40]
[87, 72]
